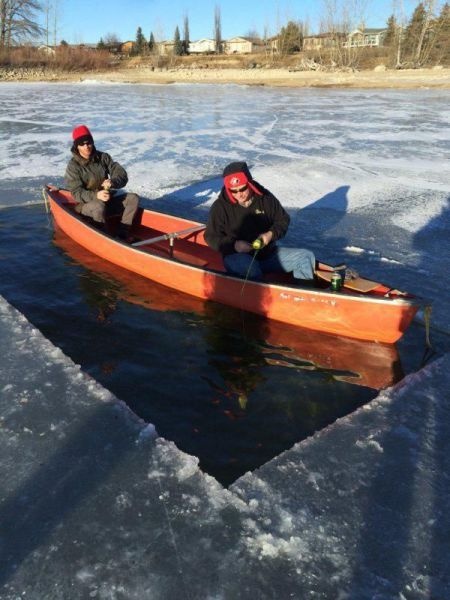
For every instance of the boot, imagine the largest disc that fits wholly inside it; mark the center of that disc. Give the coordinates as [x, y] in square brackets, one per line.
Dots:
[123, 232]
[99, 226]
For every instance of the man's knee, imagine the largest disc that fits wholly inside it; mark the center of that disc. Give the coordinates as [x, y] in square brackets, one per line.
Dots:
[310, 256]
[94, 209]
[306, 264]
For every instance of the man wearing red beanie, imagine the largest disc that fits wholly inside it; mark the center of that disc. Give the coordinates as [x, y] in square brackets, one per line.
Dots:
[245, 212]
[94, 180]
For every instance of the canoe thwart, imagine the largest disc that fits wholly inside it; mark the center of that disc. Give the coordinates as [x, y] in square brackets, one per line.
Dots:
[169, 236]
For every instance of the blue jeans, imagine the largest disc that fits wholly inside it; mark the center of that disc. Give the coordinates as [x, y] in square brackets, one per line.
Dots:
[299, 261]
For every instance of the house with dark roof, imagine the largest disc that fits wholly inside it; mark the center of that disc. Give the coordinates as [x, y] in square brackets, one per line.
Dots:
[330, 39]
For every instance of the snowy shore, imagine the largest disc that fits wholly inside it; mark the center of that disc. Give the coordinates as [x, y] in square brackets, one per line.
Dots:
[436, 77]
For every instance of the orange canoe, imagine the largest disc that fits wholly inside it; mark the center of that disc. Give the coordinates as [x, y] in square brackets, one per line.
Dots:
[172, 251]
[362, 363]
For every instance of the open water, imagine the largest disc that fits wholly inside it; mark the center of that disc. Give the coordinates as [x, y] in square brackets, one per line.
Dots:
[225, 386]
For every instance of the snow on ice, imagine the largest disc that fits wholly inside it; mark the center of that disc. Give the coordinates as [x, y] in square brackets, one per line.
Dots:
[93, 502]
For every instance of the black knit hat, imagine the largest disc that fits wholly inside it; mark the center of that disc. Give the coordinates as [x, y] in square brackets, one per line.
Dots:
[237, 167]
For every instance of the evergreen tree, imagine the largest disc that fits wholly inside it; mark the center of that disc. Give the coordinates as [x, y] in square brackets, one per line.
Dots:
[391, 32]
[140, 43]
[186, 35]
[413, 31]
[217, 30]
[151, 42]
[177, 45]
[101, 45]
[291, 38]
[441, 53]
[393, 42]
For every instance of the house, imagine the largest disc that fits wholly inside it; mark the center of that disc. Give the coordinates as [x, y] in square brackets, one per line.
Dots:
[126, 47]
[48, 50]
[243, 45]
[323, 40]
[203, 46]
[273, 44]
[165, 48]
[362, 37]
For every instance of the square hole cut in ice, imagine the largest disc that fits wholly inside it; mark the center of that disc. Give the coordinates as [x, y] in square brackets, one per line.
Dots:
[231, 388]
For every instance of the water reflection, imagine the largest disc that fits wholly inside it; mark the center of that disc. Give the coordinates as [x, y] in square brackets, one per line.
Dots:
[229, 387]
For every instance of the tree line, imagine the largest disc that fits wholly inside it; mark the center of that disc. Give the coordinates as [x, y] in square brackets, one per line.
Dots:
[422, 40]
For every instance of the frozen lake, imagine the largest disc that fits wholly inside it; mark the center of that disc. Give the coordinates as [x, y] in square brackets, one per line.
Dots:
[99, 505]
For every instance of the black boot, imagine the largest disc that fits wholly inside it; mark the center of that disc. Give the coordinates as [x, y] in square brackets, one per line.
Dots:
[123, 232]
[99, 226]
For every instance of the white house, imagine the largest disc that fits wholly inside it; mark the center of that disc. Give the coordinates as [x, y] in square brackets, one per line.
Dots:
[365, 37]
[243, 45]
[165, 48]
[48, 50]
[203, 46]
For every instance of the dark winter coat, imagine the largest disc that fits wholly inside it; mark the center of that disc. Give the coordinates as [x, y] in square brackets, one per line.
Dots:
[228, 222]
[84, 178]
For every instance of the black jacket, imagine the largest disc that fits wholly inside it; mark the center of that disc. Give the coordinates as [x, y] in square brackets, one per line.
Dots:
[228, 222]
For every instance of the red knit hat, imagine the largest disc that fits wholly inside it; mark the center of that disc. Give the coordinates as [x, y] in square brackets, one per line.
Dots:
[236, 175]
[81, 131]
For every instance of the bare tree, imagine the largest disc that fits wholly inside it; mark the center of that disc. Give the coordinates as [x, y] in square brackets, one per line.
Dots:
[422, 49]
[111, 41]
[421, 34]
[47, 8]
[340, 17]
[252, 34]
[18, 21]
[55, 21]
[3, 14]
[399, 18]
[336, 24]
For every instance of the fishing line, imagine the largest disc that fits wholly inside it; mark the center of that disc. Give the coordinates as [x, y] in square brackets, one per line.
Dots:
[247, 274]
[47, 207]
[243, 287]
[429, 350]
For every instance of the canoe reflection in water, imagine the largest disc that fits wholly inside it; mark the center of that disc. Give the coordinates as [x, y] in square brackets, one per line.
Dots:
[261, 341]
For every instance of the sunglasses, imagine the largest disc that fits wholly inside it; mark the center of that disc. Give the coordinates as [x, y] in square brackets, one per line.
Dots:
[244, 188]
[85, 144]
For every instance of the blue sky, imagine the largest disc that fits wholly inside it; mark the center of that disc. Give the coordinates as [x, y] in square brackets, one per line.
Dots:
[89, 20]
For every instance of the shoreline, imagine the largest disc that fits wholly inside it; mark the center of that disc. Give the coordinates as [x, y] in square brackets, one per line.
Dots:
[436, 78]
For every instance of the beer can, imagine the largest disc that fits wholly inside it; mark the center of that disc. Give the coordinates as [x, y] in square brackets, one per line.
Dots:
[336, 282]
